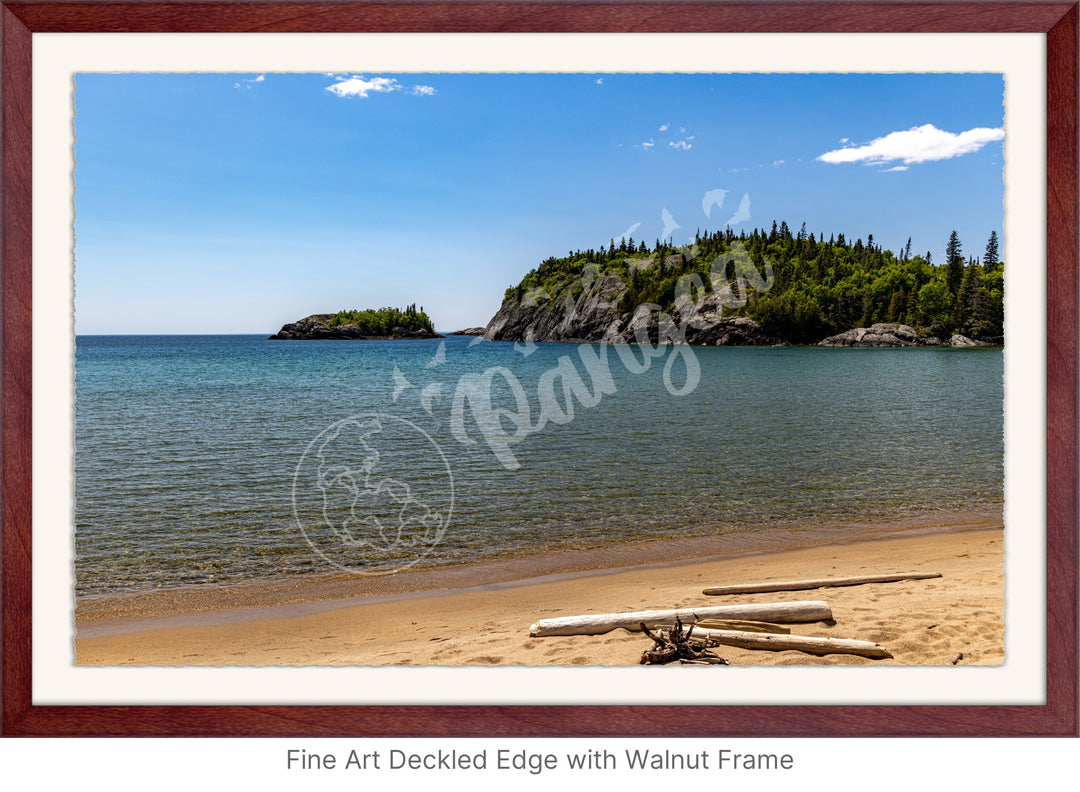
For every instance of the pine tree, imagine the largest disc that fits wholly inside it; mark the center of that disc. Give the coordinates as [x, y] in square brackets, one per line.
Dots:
[954, 261]
[990, 260]
[965, 301]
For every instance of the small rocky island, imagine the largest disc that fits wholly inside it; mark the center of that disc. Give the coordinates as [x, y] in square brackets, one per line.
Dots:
[383, 323]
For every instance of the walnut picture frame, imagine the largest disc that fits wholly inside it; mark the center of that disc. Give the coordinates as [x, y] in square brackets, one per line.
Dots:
[20, 21]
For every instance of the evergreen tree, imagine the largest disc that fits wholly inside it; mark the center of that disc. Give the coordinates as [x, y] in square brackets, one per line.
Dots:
[954, 263]
[990, 259]
[965, 303]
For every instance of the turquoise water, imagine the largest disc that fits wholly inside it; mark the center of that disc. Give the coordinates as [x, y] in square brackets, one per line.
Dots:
[218, 459]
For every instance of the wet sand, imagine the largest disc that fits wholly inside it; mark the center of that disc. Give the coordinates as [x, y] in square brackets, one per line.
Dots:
[481, 615]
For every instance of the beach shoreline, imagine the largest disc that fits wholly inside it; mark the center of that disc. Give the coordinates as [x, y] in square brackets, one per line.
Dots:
[481, 614]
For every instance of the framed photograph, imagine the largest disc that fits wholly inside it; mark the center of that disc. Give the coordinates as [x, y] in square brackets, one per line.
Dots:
[437, 369]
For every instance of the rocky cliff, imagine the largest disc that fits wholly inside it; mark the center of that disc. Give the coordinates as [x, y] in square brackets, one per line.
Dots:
[592, 315]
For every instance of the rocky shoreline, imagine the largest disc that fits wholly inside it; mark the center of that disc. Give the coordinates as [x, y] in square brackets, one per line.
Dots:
[899, 335]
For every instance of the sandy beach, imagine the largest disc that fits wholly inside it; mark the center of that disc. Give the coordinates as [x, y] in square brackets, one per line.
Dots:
[920, 622]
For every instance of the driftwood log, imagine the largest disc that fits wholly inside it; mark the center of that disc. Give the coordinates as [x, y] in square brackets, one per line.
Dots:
[745, 626]
[801, 585]
[600, 623]
[801, 643]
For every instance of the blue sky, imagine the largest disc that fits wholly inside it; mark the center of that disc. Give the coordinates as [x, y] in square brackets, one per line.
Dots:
[233, 203]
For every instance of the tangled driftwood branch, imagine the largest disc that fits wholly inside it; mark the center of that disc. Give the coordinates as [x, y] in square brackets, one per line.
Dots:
[673, 646]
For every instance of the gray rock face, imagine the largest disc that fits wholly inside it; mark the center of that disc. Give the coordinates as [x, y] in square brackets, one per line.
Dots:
[963, 341]
[314, 327]
[593, 316]
[469, 331]
[732, 331]
[878, 335]
[582, 317]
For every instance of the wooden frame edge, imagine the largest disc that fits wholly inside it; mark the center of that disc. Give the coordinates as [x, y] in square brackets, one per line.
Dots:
[15, 362]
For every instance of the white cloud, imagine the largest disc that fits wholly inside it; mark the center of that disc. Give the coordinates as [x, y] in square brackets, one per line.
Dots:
[249, 83]
[599, 80]
[777, 163]
[358, 86]
[648, 144]
[897, 168]
[682, 145]
[925, 143]
[665, 127]
[845, 140]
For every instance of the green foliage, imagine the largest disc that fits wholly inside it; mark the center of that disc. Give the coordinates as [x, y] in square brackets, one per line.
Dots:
[383, 321]
[934, 305]
[821, 286]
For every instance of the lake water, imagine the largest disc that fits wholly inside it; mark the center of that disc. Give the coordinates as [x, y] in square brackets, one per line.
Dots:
[220, 459]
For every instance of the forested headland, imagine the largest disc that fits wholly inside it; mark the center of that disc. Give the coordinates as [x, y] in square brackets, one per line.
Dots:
[809, 287]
